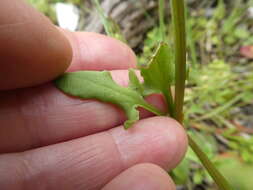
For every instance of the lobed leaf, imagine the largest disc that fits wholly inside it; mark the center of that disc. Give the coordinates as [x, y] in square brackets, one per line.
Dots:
[134, 82]
[158, 75]
[100, 86]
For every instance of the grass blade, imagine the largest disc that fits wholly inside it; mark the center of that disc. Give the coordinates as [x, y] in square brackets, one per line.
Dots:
[161, 20]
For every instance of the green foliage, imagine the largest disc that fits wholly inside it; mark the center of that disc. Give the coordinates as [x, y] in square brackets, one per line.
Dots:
[217, 85]
[240, 174]
[215, 90]
[232, 30]
[47, 6]
[203, 101]
[222, 30]
[181, 175]
[134, 82]
[162, 29]
[150, 43]
[159, 74]
[242, 145]
[162, 67]
[111, 27]
[158, 77]
[207, 81]
[100, 85]
[209, 146]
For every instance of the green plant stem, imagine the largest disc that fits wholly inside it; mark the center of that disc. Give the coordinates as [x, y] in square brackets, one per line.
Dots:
[153, 109]
[214, 173]
[169, 101]
[178, 15]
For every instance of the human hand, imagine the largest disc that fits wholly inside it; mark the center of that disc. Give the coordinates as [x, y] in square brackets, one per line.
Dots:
[52, 141]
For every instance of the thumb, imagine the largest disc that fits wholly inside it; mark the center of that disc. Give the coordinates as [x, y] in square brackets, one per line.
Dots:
[142, 176]
[32, 49]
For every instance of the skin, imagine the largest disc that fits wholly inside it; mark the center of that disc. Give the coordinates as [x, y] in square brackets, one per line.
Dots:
[52, 141]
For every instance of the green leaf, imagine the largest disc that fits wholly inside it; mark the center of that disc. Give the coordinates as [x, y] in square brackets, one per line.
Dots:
[134, 82]
[100, 85]
[198, 177]
[159, 74]
[181, 173]
[239, 174]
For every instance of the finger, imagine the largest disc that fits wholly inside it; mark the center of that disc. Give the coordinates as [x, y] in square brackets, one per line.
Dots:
[142, 176]
[44, 115]
[32, 50]
[93, 51]
[91, 162]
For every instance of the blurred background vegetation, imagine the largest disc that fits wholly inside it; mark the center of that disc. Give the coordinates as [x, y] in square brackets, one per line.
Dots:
[48, 6]
[219, 94]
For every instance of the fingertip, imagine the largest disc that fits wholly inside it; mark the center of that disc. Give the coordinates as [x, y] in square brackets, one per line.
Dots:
[32, 50]
[142, 176]
[175, 141]
[158, 140]
[92, 51]
[175, 138]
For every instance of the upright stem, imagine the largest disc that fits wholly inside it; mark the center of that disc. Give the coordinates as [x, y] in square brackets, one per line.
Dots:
[178, 14]
[213, 172]
[169, 100]
[180, 56]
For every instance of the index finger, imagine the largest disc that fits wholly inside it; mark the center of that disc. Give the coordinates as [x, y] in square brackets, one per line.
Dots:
[32, 49]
